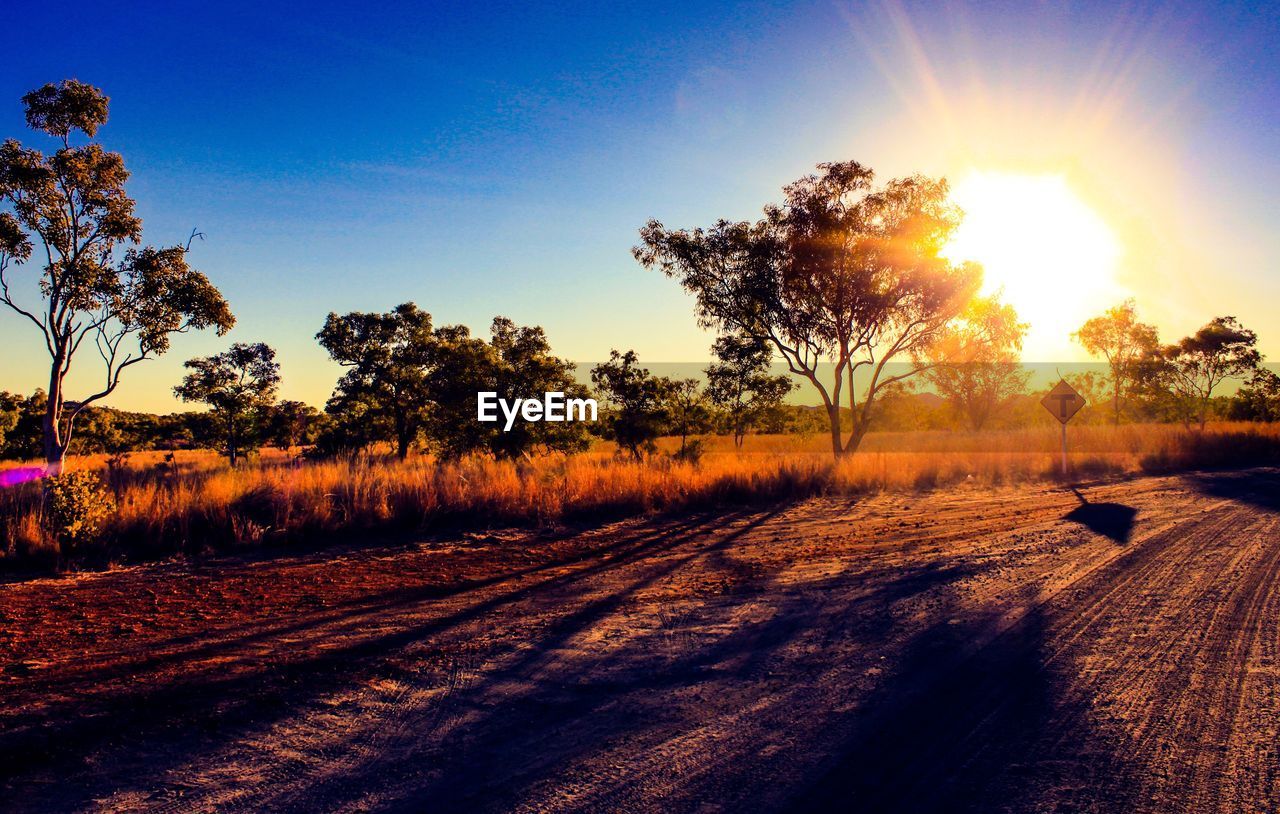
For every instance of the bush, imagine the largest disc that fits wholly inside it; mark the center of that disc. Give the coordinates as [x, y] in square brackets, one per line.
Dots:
[77, 507]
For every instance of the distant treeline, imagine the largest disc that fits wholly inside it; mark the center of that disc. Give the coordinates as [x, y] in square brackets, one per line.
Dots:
[293, 425]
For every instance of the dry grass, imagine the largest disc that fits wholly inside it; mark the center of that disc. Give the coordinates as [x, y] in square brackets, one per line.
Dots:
[195, 503]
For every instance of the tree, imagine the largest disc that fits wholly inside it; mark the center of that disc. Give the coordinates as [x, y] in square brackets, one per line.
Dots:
[461, 366]
[687, 413]
[388, 357]
[638, 413]
[841, 275]
[1259, 400]
[974, 364]
[125, 304]
[352, 423]
[740, 383]
[1123, 341]
[409, 382]
[1192, 368]
[292, 423]
[10, 412]
[239, 385]
[524, 367]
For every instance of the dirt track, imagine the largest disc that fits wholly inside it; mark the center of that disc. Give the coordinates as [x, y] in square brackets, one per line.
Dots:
[1011, 651]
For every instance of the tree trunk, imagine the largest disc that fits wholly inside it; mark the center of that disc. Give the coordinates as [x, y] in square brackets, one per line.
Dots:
[233, 446]
[404, 437]
[833, 415]
[855, 440]
[54, 448]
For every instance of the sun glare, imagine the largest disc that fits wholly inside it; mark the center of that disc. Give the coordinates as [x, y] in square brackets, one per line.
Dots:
[1050, 254]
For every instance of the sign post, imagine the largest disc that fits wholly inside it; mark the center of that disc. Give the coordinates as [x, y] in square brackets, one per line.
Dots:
[1063, 402]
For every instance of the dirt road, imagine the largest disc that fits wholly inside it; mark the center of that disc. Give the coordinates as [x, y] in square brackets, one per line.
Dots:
[1012, 651]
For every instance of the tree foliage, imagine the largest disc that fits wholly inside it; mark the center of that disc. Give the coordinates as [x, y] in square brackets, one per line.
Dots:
[522, 366]
[1124, 342]
[388, 358]
[97, 288]
[1259, 399]
[974, 364]
[637, 403]
[740, 384]
[841, 276]
[408, 381]
[292, 424]
[688, 413]
[239, 385]
[1194, 367]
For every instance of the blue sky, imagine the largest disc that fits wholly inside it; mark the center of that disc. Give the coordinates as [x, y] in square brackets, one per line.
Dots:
[486, 159]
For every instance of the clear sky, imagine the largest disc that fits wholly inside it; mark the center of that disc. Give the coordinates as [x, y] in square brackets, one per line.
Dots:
[495, 158]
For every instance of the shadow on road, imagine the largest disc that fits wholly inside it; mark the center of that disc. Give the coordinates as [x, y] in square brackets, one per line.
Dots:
[943, 734]
[1259, 487]
[1113, 520]
[945, 716]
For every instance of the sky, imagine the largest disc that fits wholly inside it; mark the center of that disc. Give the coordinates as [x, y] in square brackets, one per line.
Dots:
[499, 158]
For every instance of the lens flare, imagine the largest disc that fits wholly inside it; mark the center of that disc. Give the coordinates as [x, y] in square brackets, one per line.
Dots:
[1051, 255]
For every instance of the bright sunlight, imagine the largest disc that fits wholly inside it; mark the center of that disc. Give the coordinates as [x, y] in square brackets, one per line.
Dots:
[1050, 254]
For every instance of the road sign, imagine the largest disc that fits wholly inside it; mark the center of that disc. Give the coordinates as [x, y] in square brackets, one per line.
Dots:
[1063, 401]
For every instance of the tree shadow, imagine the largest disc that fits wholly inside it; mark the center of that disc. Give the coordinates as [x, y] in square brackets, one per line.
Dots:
[973, 719]
[1258, 487]
[956, 704]
[1112, 520]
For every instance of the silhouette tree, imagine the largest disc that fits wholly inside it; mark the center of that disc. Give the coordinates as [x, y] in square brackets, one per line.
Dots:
[740, 383]
[1123, 341]
[291, 424]
[637, 401]
[388, 357]
[10, 413]
[521, 365]
[1192, 368]
[124, 304]
[409, 382]
[239, 385]
[351, 423]
[974, 364]
[688, 413]
[841, 275]
[1259, 400]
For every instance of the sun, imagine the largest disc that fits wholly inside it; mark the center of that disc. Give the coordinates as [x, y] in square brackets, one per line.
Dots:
[1051, 255]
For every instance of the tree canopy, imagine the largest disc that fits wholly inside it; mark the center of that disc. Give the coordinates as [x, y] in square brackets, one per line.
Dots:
[408, 381]
[239, 385]
[1124, 342]
[741, 384]
[1194, 366]
[974, 364]
[98, 288]
[841, 276]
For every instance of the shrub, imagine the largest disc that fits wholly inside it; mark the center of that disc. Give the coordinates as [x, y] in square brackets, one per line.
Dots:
[77, 507]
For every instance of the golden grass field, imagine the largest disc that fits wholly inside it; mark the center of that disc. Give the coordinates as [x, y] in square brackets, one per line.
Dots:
[194, 502]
